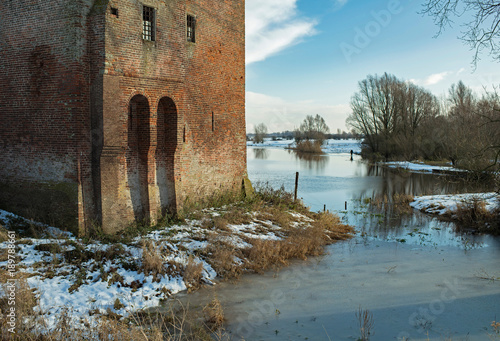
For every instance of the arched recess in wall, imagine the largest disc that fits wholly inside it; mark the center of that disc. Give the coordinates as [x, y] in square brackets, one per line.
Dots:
[165, 152]
[137, 155]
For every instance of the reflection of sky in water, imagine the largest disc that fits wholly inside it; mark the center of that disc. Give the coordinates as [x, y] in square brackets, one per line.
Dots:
[333, 180]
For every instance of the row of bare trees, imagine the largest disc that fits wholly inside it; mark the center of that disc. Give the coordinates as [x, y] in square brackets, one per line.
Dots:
[400, 120]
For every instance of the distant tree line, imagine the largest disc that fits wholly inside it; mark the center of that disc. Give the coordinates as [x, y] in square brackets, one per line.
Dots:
[261, 131]
[400, 120]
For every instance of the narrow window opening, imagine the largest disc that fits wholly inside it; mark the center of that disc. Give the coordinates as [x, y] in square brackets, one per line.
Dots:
[184, 135]
[191, 28]
[148, 23]
[114, 11]
[213, 121]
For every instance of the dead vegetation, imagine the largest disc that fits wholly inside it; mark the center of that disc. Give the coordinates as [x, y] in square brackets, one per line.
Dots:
[214, 315]
[473, 214]
[193, 274]
[470, 215]
[366, 323]
[152, 260]
[397, 202]
[175, 323]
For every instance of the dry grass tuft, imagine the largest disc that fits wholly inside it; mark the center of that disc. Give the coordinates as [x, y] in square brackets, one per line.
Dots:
[399, 202]
[473, 212]
[299, 243]
[365, 319]
[333, 227]
[152, 260]
[24, 302]
[277, 215]
[193, 274]
[222, 257]
[309, 146]
[220, 224]
[214, 315]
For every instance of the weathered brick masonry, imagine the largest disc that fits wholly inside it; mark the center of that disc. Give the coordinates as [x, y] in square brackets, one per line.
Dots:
[101, 125]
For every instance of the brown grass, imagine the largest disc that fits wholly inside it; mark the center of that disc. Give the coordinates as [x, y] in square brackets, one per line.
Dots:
[152, 260]
[193, 274]
[25, 301]
[214, 314]
[221, 256]
[275, 214]
[308, 146]
[299, 243]
[177, 323]
[399, 202]
[473, 214]
[220, 224]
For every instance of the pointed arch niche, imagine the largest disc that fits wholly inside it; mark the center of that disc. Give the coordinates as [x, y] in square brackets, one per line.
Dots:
[139, 142]
[167, 127]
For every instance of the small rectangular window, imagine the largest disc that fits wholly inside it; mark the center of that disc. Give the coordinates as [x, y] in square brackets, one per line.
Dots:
[148, 23]
[213, 121]
[191, 28]
[114, 11]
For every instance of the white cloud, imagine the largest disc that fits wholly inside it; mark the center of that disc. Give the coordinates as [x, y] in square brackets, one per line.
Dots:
[432, 79]
[436, 78]
[272, 26]
[280, 115]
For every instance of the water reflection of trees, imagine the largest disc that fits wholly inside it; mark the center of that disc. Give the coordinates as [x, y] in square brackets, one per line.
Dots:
[394, 181]
[261, 153]
[383, 208]
[311, 160]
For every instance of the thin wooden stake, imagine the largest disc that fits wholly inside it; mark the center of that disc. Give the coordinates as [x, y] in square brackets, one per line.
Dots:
[346, 205]
[296, 185]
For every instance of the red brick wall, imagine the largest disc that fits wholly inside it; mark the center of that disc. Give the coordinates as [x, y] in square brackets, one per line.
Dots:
[200, 78]
[44, 134]
[71, 70]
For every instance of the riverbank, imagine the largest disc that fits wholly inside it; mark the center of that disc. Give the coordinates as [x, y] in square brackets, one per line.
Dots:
[472, 211]
[85, 283]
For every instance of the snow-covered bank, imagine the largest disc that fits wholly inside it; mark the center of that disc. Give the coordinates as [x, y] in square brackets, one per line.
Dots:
[418, 167]
[86, 279]
[330, 146]
[448, 204]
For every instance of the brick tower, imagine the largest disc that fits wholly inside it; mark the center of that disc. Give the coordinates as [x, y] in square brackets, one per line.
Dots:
[114, 111]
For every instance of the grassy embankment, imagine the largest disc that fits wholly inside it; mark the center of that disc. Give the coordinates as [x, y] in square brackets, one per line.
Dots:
[252, 235]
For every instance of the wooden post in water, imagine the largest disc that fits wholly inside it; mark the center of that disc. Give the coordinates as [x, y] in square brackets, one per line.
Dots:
[346, 205]
[296, 185]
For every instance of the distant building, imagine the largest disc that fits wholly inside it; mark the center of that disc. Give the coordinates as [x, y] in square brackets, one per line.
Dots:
[114, 111]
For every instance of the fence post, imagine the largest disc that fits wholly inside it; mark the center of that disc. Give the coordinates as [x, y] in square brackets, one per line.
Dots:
[296, 185]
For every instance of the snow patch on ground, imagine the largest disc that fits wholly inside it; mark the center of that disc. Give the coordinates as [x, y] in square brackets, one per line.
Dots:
[447, 204]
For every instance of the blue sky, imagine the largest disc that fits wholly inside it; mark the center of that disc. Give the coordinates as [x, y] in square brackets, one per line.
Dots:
[305, 57]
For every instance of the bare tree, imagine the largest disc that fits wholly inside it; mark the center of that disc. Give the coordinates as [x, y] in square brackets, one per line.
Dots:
[260, 132]
[388, 113]
[312, 128]
[481, 27]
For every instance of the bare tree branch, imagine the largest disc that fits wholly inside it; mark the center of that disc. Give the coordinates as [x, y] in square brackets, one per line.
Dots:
[482, 23]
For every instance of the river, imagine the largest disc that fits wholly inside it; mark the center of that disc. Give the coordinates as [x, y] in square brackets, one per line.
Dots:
[417, 276]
